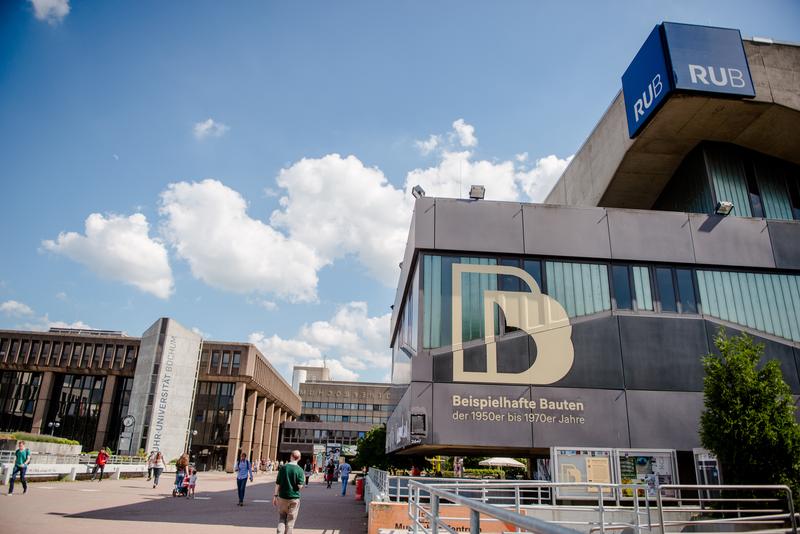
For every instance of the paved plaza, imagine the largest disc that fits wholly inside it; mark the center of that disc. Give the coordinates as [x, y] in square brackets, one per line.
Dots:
[133, 506]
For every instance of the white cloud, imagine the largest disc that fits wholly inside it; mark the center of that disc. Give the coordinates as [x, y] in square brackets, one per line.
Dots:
[210, 128]
[50, 11]
[208, 226]
[204, 335]
[456, 171]
[350, 341]
[538, 181]
[465, 133]
[119, 248]
[48, 324]
[521, 158]
[338, 206]
[429, 145]
[15, 309]
[61, 295]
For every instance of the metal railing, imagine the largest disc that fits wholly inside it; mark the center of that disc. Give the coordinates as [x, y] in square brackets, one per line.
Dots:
[641, 510]
[46, 458]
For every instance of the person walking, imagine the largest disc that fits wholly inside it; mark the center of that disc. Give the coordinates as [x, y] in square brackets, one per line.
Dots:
[344, 473]
[244, 470]
[158, 468]
[100, 463]
[307, 470]
[181, 469]
[287, 493]
[22, 457]
[330, 471]
[150, 461]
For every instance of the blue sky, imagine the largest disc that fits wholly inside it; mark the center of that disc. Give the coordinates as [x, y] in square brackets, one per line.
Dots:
[244, 167]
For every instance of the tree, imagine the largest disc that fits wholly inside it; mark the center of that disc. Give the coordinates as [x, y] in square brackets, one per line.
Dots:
[749, 417]
[372, 453]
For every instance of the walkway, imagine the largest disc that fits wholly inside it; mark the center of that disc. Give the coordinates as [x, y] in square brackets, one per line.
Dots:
[133, 507]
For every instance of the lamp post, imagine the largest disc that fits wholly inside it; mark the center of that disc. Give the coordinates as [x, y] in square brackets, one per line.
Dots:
[192, 434]
[52, 425]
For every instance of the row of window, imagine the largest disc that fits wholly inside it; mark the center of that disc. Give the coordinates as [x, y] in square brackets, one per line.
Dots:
[220, 362]
[374, 419]
[309, 435]
[18, 394]
[212, 412]
[66, 354]
[347, 406]
[764, 301]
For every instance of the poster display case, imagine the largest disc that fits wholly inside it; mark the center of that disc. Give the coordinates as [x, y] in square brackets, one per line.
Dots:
[582, 465]
[649, 467]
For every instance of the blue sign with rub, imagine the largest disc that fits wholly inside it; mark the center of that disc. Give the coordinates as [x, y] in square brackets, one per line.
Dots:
[687, 58]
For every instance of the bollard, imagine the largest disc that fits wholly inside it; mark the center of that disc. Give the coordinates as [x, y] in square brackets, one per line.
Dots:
[116, 474]
[73, 474]
[7, 470]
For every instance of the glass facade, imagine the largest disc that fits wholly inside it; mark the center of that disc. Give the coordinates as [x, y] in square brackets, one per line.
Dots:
[18, 393]
[75, 405]
[119, 409]
[765, 302]
[212, 412]
[321, 436]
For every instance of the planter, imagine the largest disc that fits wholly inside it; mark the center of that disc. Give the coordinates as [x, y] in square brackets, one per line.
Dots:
[40, 447]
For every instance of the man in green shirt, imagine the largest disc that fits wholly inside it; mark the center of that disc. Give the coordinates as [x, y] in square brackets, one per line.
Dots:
[287, 493]
[22, 457]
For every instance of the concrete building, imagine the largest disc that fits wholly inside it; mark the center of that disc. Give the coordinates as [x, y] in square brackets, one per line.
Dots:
[574, 330]
[305, 373]
[179, 390]
[335, 414]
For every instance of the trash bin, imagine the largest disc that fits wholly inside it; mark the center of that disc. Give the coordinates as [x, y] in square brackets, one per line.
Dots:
[360, 488]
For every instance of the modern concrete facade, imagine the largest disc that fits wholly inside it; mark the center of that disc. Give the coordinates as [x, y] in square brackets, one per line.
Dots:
[643, 291]
[227, 396]
[306, 373]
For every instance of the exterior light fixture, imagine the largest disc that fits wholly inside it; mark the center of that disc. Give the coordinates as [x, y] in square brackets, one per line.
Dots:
[477, 192]
[417, 191]
[724, 207]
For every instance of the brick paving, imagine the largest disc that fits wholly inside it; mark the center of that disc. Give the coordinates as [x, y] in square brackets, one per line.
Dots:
[132, 506]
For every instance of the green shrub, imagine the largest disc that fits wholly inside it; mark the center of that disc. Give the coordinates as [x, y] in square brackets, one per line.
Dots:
[497, 473]
[39, 438]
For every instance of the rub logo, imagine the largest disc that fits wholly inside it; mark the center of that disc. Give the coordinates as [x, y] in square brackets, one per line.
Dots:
[540, 316]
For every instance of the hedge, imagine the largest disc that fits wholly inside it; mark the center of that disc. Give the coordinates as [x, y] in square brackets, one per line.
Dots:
[24, 436]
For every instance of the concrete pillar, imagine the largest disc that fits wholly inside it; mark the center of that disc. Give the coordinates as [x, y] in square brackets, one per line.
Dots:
[249, 422]
[105, 412]
[267, 439]
[235, 426]
[276, 425]
[42, 403]
[258, 431]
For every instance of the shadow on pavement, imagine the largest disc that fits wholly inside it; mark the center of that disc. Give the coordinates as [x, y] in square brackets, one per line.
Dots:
[321, 509]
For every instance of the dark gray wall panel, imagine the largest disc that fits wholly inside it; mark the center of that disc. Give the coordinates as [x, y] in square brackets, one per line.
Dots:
[566, 231]
[442, 367]
[650, 236]
[773, 350]
[469, 225]
[785, 237]
[424, 217]
[422, 367]
[448, 430]
[664, 419]
[736, 241]
[661, 353]
[605, 419]
[598, 361]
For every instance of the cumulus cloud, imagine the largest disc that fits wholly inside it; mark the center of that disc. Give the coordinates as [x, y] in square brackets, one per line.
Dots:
[119, 248]
[350, 341]
[210, 128]
[50, 11]
[208, 226]
[429, 145]
[336, 206]
[15, 309]
[538, 181]
[465, 133]
[47, 324]
[456, 171]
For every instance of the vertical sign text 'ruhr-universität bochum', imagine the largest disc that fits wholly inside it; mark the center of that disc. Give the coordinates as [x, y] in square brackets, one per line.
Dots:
[685, 58]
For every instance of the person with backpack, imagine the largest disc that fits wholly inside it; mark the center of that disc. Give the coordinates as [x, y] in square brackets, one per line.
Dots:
[100, 463]
[244, 470]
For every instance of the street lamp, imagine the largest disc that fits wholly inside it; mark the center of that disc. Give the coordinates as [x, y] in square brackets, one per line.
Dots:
[191, 435]
[52, 425]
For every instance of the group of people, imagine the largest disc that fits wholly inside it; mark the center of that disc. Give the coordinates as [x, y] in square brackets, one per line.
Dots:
[185, 474]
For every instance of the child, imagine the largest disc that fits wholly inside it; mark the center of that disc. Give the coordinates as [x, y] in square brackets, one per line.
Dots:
[192, 483]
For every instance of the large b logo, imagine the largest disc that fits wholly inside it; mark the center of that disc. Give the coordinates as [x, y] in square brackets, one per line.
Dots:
[540, 316]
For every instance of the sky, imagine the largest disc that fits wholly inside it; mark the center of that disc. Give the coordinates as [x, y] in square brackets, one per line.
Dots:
[245, 167]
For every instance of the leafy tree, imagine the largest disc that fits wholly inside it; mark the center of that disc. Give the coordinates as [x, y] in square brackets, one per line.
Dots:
[372, 453]
[749, 417]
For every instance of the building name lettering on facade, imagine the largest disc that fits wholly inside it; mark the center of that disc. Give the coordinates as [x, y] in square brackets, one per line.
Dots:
[166, 381]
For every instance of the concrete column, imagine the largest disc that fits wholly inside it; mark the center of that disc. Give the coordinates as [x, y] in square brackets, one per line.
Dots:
[267, 439]
[105, 412]
[276, 425]
[235, 426]
[258, 431]
[42, 403]
[249, 422]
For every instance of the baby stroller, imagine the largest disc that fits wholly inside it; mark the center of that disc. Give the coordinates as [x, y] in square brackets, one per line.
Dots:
[182, 488]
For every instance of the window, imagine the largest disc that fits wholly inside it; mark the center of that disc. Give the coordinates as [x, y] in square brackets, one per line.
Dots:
[622, 287]
[666, 289]
[214, 361]
[226, 362]
[643, 292]
[18, 393]
[632, 288]
[237, 356]
[688, 300]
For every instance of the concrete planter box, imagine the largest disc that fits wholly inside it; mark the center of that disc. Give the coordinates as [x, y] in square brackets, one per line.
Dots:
[41, 447]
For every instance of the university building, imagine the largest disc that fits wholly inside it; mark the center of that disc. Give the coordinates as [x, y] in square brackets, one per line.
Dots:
[574, 329]
[166, 390]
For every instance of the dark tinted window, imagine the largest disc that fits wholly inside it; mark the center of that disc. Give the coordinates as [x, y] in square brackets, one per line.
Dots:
[666, 289]
[686, 289]
[622, 287]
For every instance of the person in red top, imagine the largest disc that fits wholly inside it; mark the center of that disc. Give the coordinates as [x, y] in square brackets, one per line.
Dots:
[100, 463]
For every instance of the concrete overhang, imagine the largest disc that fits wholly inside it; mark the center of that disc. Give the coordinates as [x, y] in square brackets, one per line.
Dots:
[612, 170]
